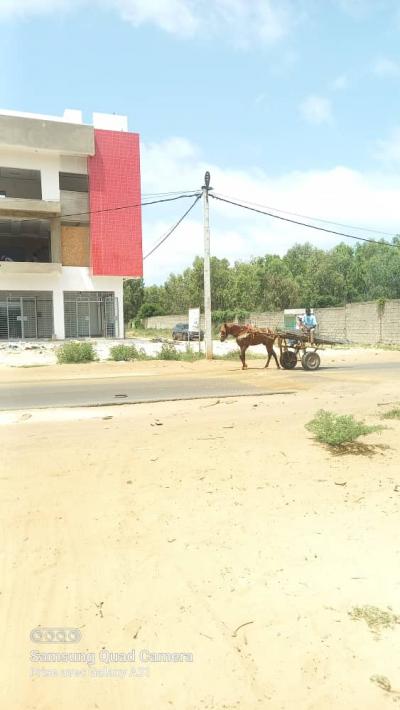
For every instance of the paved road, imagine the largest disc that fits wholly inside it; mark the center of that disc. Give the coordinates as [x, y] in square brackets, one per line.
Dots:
[95, 392]
[123, 390]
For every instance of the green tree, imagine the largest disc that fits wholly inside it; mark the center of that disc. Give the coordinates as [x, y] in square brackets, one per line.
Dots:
[277, 288]
[133, 298]
[305, 276]
[244, 286]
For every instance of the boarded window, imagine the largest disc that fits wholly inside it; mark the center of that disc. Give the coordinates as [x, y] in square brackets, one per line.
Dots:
[75, 246]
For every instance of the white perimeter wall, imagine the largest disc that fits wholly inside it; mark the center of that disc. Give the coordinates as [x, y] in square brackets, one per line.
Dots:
[72, 278]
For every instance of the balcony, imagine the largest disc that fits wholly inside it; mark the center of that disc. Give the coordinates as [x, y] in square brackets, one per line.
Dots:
[25, 247]
[22, 207]
[8, 268]
[21, 194]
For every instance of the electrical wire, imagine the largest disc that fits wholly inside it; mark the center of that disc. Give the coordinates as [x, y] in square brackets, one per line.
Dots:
[113, 209]
[163, 194]
[170, 231]
[126, 207]
[301, 224]
[314, 219]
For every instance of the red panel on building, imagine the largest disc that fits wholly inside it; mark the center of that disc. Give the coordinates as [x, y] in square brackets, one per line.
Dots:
[114, 185]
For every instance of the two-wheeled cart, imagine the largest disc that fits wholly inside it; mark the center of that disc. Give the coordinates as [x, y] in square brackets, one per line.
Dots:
[296, 346]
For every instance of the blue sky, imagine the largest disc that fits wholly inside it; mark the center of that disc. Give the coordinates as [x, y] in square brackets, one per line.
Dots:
[290, 103]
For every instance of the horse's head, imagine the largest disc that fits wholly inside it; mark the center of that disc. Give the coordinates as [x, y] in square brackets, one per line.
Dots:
[223, 332]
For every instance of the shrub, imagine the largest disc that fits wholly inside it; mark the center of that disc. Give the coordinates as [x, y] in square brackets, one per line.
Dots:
[223, 316]
[169, 352]
[75, 352]
[375, 617]
[392, 414]
[335, 429]
[147, 310]
[242, 315]
[190, 355]
[127, 352]
[381, 307]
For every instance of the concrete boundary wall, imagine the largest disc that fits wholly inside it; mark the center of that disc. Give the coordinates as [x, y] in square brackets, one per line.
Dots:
[368, 323]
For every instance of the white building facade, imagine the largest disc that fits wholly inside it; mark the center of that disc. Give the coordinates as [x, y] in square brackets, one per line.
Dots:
[70, 224]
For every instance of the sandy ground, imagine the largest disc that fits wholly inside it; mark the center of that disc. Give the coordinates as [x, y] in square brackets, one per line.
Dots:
[42, 370]
[165, 527]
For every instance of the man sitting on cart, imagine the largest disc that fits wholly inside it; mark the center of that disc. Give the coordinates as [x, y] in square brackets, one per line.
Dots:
[309, 324]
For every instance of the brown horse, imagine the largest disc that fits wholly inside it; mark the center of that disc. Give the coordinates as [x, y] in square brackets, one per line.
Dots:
[247, 335]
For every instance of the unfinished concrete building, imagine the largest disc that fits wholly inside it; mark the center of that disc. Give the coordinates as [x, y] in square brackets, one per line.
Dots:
[70, 224]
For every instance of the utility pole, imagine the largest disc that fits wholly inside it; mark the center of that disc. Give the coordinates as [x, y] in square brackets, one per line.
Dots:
[207, 271]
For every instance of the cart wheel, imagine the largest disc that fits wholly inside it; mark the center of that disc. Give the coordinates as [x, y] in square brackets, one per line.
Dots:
[311, 361]
[288, 359]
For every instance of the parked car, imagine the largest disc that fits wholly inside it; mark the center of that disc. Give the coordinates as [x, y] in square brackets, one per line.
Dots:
[181, 332]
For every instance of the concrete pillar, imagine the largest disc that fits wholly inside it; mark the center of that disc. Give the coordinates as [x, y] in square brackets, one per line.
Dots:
[119, 293]
[55, 227]
[58, 312]
[49, 173]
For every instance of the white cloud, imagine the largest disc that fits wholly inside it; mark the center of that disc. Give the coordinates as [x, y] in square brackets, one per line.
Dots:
[174, 16]
[265, 20]
[356, 8]
[316, 110]
[341, 82]
[242, 21]
[339, 194]
[388, 150]
[386, 67]
[27, 8]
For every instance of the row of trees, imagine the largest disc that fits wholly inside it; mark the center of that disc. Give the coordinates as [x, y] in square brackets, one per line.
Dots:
[305, 276]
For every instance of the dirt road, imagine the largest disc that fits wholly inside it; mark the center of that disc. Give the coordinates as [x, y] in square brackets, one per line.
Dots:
[213, 528]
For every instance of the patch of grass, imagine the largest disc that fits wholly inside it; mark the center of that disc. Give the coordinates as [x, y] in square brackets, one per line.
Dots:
[75, 352]
[392, 414]
[376, 619]
[388, 346]
[169, 352]
[190, 355]
[336, 429]
[127, 352]
[382, 681]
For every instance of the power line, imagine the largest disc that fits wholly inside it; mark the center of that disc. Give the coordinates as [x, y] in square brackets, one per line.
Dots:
[126, 207]
[113, 209]
[301, 224]
[162, 194]
[170, 231]
[314, 219]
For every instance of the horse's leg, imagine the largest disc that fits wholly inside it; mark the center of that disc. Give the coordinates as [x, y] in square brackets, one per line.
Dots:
[269, 355]
[243, 349]
[273, 353]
